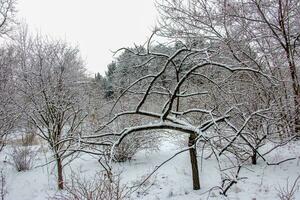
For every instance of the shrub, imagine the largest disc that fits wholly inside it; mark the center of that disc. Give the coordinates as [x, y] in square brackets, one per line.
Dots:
[134, 143]
[288, 192]
[101, 187]
[22, 158]
[28, 139]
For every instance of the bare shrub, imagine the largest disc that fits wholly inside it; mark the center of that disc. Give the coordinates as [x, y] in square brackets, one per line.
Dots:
[22, 158]
[134, 143]
[101, 187]
[288, 192]
[28, 139]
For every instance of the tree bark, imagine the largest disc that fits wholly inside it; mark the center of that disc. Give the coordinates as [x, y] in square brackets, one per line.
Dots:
[297, 103]
[194, 163]
[60, 180]
[254, 158]
[289, 48]
[296, 93]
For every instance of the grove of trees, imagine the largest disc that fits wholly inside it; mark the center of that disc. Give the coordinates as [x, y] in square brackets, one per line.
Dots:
[227, 79]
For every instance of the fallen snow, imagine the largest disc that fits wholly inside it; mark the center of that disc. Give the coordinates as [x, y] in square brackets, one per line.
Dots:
[172, 181]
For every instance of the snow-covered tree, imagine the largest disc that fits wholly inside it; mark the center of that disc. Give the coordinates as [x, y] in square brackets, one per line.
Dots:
[260, 34]
[51, 80]
[192, 75]
[7, 16]
[8, 109]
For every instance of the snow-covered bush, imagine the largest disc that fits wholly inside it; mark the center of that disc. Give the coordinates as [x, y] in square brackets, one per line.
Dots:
[288, 192]
[101, 187]
[132, 143]
[22, 158]
[135, 143]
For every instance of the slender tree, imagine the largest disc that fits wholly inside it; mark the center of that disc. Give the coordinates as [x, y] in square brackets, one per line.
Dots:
[51, 82]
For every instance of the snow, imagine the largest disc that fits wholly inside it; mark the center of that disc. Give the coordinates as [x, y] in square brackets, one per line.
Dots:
[172, 181]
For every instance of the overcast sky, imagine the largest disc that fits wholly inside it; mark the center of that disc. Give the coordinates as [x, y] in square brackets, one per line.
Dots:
[96, 26]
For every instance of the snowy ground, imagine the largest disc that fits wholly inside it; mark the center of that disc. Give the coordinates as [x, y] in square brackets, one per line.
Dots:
[172, 181]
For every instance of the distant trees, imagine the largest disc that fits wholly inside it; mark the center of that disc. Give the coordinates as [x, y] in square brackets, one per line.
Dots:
[108, 82]
[120, 74]
[7, 16]
[8, 111]
[123, 71]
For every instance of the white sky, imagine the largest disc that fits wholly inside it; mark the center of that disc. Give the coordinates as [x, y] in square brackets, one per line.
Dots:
[96, 26]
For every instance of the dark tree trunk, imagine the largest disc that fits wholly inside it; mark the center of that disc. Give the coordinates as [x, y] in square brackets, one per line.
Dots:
[296, 93]
[292, 68]
[60, 180]
[254, 158]
[194, 163]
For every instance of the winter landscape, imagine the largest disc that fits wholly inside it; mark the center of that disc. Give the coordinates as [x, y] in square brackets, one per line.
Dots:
[207, 107]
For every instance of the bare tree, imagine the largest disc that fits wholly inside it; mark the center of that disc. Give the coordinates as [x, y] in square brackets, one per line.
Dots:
[50, 86]
[183, 67]
[223, 83]
[262, 34]
[8, 110]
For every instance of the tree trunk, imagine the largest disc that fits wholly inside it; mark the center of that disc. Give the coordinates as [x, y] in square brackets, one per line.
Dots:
[194, 163]
[296, 93]
[60, 180]
[289, 48]
[254, 158]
